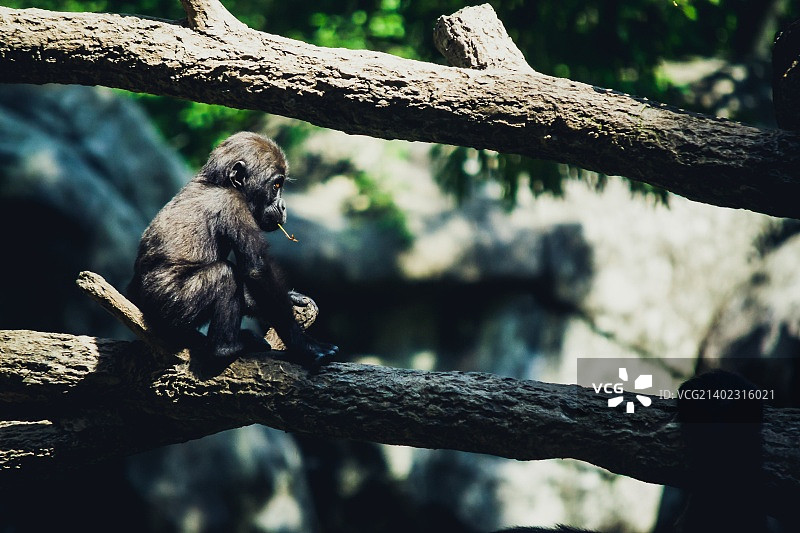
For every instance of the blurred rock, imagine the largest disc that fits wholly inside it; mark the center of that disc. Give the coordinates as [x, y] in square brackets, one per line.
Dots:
[249, 479]
[756, 331]
[527, 292]
[82, 171]
[740, 91]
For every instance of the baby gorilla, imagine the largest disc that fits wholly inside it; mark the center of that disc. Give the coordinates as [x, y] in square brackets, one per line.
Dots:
[183, 276]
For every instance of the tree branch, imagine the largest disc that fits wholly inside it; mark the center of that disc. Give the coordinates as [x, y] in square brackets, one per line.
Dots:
[110, 299]
[706, 159]
[80, 399]
[83, 398]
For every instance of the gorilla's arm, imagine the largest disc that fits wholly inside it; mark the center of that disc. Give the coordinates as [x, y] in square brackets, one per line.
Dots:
[265, 284]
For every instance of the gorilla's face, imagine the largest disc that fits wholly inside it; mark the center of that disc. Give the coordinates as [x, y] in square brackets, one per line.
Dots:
[257, 168]
[267, 206]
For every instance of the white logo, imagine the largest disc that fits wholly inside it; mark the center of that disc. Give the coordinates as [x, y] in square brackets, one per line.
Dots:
[644, 381]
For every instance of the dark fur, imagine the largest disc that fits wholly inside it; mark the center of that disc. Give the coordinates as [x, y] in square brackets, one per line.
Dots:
[183, 277]
[725, 456]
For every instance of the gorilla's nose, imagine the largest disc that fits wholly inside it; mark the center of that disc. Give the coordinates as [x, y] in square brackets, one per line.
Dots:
[281, 205]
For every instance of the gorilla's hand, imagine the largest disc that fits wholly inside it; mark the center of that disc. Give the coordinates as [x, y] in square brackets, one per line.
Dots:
[299, 300]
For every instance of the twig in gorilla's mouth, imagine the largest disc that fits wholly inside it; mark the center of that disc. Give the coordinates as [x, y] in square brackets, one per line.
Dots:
[290, 237]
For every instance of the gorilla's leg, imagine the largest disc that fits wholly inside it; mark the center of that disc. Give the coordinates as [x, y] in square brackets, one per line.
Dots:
[219, 291]
[315, 353]
[225, 301]
[250, 306]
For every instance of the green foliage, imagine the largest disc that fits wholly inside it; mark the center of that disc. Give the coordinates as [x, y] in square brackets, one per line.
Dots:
[459, 170]
[375, 205]
[382, 28]
[194, 128]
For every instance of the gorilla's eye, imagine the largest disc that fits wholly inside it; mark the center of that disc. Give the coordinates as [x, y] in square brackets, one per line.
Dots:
[276, 186]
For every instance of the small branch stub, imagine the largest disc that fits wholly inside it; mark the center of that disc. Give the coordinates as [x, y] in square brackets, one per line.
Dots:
[211, 17]
[474, 37]
[110, 299]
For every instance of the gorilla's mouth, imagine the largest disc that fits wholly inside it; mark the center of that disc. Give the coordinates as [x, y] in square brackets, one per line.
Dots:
[272, 217]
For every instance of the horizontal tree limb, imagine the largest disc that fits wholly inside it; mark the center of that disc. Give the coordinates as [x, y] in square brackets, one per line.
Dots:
[82, 398]
[514, 111]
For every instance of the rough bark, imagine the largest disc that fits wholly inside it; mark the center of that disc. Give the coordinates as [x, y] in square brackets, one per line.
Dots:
[473, 37]
[706, 159]
[115, 303]
[82, 398]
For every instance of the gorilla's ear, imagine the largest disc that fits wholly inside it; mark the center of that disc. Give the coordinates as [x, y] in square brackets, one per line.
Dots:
[237, 174]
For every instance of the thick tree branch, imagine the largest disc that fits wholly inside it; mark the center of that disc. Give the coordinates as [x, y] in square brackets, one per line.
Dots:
[82, 398]
[705, 159]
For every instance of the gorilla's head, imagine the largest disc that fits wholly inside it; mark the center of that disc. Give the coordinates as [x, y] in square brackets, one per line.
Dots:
[255, 166]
